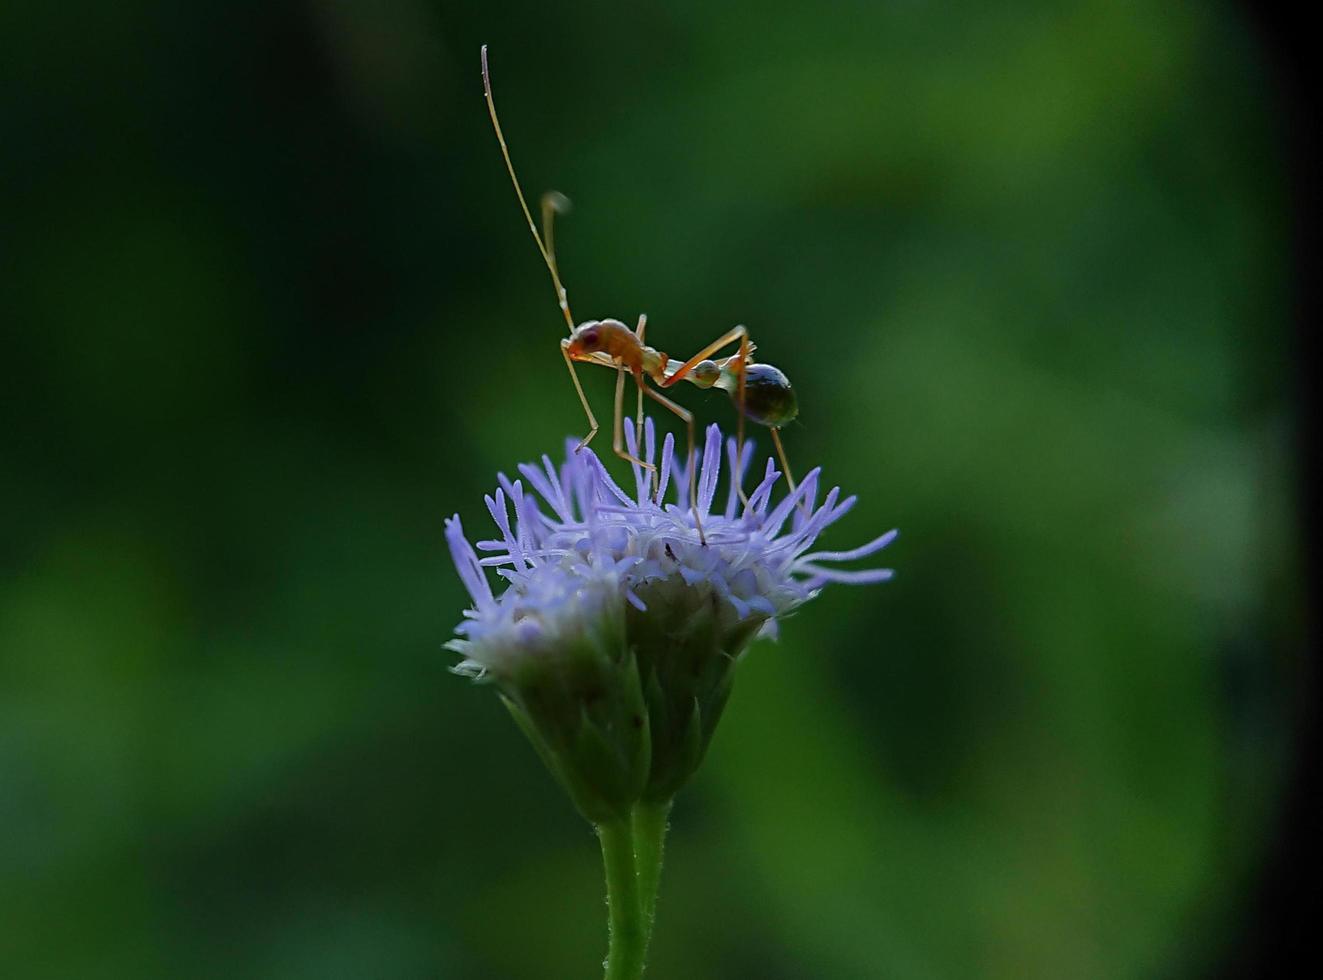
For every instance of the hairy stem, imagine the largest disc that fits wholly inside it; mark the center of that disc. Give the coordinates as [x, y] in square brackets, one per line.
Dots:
[628, 943]
[649, 841]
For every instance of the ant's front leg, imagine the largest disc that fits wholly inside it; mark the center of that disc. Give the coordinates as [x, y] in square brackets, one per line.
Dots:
[583, 400]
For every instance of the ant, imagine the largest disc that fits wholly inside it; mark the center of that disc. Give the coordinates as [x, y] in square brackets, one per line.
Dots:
[760, 392]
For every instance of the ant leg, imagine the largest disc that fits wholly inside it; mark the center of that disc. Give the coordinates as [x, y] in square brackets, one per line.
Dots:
[740, 333]
[583, 400]
[618, 440]
[785, 466]
[655, 479]
[638, 332]
[688, 418]
[739, 405]
[737, 333]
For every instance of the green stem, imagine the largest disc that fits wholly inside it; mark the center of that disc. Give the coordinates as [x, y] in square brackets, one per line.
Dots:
[624, 958]
[649, 842]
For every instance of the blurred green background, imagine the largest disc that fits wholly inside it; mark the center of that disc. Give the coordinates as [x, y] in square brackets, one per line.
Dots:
[271, 314]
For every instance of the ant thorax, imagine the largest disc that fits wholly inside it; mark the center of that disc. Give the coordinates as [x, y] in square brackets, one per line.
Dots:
[610, 342]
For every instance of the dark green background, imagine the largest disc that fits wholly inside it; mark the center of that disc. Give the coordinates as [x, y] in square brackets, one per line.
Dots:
[270, 314]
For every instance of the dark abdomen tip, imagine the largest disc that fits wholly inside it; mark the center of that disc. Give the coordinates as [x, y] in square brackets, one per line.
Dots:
[769, 398]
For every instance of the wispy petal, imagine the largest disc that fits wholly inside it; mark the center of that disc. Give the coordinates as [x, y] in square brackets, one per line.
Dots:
[576, 546]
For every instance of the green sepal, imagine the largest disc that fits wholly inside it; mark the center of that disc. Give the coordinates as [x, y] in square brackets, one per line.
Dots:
[526, 726]
[587, 719]
[626, 710]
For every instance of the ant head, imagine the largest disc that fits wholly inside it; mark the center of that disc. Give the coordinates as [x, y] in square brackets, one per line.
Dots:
[587, 338]
[592, 336]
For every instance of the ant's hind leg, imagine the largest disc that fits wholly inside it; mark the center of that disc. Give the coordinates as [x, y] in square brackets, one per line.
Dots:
[583, 400]
[618, 440]
[785, 465]
[740, 333]
[739, 410]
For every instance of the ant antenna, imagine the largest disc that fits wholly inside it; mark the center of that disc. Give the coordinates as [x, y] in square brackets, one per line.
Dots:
[561, 297]
[553, 203]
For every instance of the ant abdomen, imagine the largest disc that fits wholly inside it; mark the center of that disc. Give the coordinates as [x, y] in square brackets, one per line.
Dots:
[769, 398]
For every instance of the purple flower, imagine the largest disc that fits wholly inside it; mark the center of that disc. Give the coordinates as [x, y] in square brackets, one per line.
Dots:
[599, 546]
[614, 604]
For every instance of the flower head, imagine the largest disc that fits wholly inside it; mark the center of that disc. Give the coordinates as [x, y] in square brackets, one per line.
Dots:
[615, 637]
